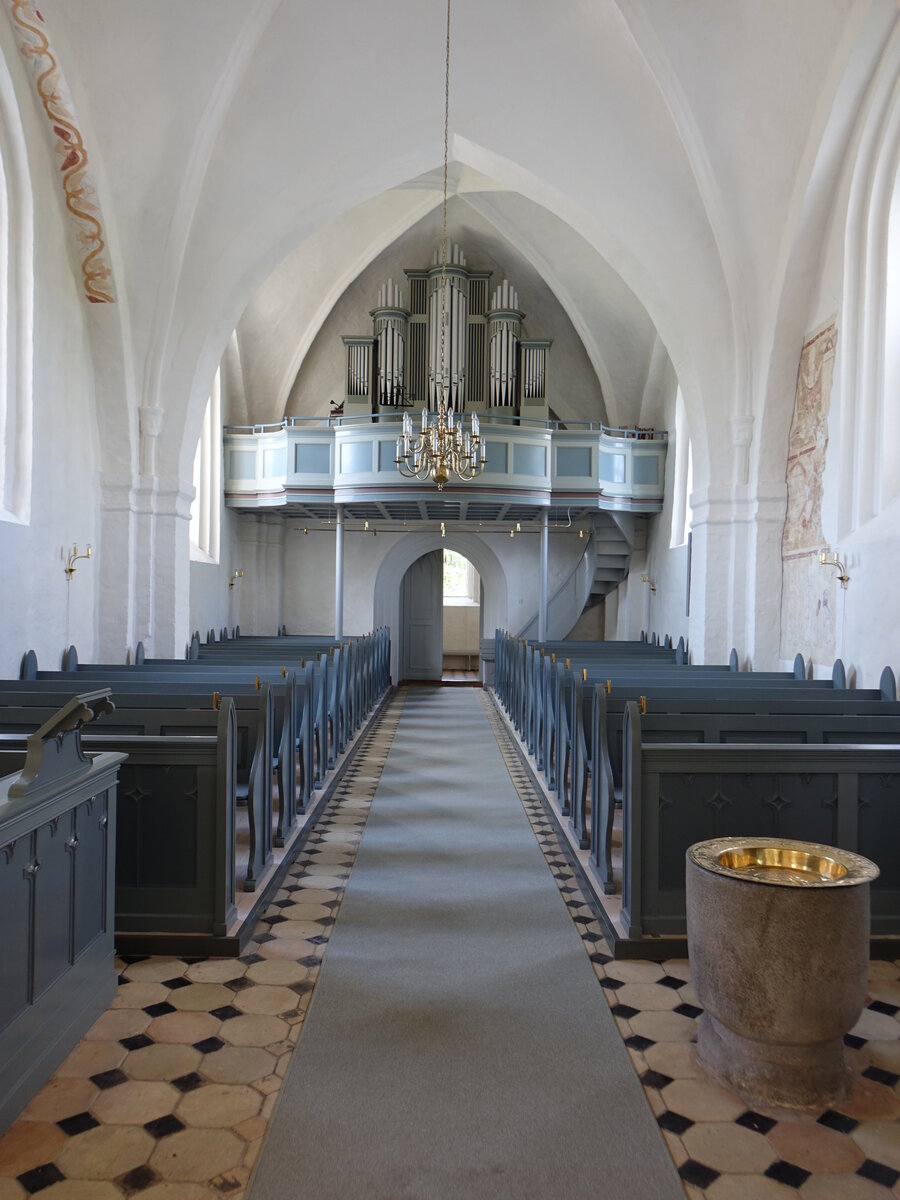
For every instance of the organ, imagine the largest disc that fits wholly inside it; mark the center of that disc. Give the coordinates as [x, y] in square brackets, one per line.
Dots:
[488, 364]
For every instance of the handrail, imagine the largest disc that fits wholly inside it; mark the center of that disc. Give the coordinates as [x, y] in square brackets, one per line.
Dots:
[630, 432]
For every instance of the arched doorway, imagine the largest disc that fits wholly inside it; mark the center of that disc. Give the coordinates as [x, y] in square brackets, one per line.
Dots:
[440, 618]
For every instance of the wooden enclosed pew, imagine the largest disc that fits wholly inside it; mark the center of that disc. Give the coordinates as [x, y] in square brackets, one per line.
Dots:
[164, 715]
[840, 795]
[803, 720]
[57, 839]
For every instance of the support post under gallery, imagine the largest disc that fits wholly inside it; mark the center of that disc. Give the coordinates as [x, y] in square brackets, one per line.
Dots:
[339, 575]
[545, 570]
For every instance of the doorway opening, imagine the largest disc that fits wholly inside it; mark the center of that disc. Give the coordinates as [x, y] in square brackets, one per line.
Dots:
[441, 604]
[462, 605]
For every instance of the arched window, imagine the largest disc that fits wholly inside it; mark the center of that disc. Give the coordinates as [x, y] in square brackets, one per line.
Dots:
[16, 311]
[683, 476]
[208, 481]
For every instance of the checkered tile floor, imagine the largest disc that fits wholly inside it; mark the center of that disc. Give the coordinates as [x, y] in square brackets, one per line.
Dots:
[724, 1150]
[169, 1095]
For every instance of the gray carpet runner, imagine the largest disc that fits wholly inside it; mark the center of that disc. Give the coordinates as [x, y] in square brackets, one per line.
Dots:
[458, 1044]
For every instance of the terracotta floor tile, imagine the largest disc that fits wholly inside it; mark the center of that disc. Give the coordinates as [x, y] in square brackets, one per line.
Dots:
[725, 1146]
[266, 1000]
[676, 1059]
[276, 971]
[10, 1189]
[883, 969]
[842, 1187]
[197, 1155]
[216, 970]
[105, 1152]
[28, 1144]
[254, 1030]
[118, 1023]
[219, 1106]
[647, 997]
[92, 1058]
[60, 1098]
[183, 1027]
[80, 1189]
[815, 1147]
[135, 1102]
[702, 1100]
[250, 1129]
[201, 997]
[163, 1061]
[664, 1026]
[870, 1101]
[237, 1064]
[876, 1025]
[139, 995]
[155, 970]
[179, 1191]
[880, 1140]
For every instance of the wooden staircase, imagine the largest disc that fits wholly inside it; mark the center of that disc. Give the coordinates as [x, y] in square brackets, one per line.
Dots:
[616, 536]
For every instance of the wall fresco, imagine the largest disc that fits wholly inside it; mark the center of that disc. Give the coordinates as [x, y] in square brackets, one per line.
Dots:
[78, 189]
[808, 591]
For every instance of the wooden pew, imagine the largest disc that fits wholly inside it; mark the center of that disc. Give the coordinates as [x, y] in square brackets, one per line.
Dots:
[138, 716]
[803, 719]
[840, 795]
[57, 837]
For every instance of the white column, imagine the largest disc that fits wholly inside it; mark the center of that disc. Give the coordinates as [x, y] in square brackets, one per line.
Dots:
[339, 575]
[545, 570]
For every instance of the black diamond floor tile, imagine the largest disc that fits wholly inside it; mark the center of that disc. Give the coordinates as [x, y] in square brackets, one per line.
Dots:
[854, 1042]
[79, 1123]
[209, 1045]
[108, 1079]
[672, 981]
[674, 1122]
[696, 1173]
[755, 1121]
[655, 1079]
[163, 1126]
[878, 1173]
[624, 1011]
[139, 1179]
[137, 1042]
[838, 1121]
[689, 1010]
[787, 1173]
[159, 1010]
[882, 1006]
[188, 1083]
[178, 982]
[238, 985]
[879, 1075]
[611, 984]
[225, 1013]
[41, 1177]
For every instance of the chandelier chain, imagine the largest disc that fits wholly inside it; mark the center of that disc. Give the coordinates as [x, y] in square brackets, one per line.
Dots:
[443, 399]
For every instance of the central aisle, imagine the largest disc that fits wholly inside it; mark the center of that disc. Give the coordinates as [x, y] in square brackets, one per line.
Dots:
[458, 1044]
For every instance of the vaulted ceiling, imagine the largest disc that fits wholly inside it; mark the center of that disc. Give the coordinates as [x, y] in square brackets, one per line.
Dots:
[643, 165]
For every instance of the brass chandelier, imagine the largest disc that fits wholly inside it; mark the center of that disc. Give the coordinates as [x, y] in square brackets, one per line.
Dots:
[443, 446]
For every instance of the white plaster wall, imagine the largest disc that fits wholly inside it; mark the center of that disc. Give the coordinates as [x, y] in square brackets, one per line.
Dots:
[64, 485]
[213, 603]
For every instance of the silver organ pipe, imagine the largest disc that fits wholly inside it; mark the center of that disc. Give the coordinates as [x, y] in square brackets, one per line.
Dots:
[391, 321]
[455, 310]
[505, 330]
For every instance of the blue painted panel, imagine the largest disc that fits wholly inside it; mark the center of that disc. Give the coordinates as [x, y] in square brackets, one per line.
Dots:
[273, 462]
[312, 458]
[529, 460]
[242, 464]
[387, 454]
[356, 458]
[497, 457]
[646, 468]
[612, 467]
[573, 460]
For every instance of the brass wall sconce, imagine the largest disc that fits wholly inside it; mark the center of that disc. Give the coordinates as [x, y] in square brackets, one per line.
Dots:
[239, 574]
[72, 559]
[647, 579]
[835, 562]
[373, 530]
